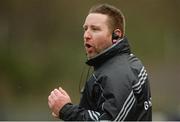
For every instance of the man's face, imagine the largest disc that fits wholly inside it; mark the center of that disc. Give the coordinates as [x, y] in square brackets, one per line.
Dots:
[97, 35]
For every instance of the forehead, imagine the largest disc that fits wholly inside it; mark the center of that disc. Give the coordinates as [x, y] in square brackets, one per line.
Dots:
[96, 19]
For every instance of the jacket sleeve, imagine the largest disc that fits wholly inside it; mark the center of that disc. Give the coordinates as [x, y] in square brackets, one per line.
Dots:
[75, 112]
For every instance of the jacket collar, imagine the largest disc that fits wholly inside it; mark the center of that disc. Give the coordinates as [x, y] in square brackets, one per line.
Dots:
[121, 47]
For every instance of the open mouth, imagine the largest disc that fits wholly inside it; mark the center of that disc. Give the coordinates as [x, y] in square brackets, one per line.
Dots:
[87, 45]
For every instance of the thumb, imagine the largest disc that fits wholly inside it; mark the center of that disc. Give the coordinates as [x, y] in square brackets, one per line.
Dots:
[63, 91]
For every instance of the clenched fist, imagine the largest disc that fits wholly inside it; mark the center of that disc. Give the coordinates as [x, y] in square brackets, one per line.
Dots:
[57, 99]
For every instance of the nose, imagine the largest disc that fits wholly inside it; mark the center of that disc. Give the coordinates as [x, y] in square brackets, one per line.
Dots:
[87, 35]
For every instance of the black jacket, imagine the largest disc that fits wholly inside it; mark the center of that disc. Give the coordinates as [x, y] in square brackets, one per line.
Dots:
[117, 90]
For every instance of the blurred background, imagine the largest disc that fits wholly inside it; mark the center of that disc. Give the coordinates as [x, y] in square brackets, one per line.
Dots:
[41, 48]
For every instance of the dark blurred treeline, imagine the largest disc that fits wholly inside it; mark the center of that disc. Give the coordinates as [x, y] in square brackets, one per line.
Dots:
[41, 47]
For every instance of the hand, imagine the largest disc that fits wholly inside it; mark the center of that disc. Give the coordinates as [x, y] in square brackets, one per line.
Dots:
[57, 99]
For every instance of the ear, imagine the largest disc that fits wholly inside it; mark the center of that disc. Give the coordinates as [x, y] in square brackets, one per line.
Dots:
[118, 32]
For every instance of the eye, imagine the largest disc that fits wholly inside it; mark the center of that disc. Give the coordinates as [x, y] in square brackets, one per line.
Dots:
[95, 28]
[85, 28]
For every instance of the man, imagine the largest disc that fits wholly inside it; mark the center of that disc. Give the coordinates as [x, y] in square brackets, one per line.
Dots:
[118, 89]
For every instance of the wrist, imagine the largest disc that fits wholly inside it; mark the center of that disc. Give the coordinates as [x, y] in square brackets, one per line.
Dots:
[63, 110]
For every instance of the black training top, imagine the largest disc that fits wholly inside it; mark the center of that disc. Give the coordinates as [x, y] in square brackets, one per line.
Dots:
[117, 90]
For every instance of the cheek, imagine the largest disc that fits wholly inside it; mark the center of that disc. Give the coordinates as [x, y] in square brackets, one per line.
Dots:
[103, 42]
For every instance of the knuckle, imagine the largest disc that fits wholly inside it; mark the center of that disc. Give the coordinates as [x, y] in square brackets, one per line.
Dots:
[52, 92]
[49, 97]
